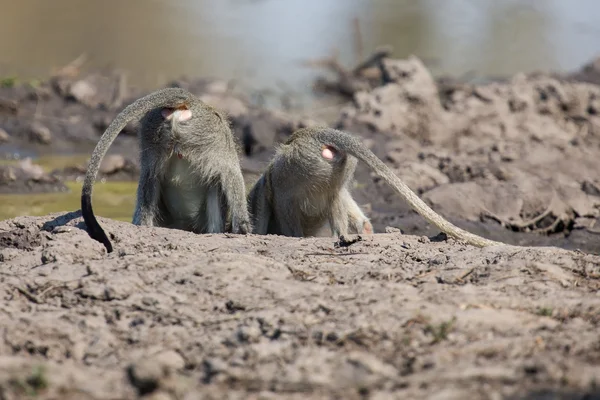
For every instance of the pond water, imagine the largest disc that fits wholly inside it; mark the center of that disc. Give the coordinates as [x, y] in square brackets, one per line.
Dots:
[262, 43]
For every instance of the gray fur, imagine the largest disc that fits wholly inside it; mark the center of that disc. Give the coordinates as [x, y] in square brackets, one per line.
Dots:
[199, 192]
[301, 191]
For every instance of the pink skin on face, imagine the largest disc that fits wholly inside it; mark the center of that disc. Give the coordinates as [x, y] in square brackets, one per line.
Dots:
[180, 115]
[327, 153]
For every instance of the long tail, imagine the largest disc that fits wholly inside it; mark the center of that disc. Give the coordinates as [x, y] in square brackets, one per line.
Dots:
[353, 146]
[169, 97]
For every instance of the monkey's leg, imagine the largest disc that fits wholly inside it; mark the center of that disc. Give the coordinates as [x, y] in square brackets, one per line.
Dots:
[234, 190]
[288, 218]
[260, 211]
[356, 218]
[213, 218]
[146, 209]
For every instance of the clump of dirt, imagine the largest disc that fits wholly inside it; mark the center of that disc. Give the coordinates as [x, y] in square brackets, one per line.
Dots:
[27, 177]
[171, 315]
[114, 167]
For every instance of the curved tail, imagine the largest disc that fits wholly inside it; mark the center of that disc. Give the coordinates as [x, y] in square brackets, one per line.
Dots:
[168, 97]
[353, 146]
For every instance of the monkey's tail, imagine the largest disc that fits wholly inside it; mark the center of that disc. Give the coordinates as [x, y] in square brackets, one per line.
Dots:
[168, 97]
[353, 146]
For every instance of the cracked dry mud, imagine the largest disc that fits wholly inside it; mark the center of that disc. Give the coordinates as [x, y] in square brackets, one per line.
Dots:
[174, 315]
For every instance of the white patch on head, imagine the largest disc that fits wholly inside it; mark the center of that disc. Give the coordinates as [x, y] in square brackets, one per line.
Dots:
[183, 115]
[180, 115]
[328, 153]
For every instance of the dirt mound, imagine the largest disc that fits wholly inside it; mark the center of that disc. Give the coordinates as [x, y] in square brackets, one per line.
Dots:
[174, 315]
[27, 177]
[523, 153]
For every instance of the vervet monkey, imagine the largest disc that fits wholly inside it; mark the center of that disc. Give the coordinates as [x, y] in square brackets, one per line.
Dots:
[307, 185]
[190, 174]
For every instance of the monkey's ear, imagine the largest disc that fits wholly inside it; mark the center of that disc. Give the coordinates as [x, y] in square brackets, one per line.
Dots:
[167, 113]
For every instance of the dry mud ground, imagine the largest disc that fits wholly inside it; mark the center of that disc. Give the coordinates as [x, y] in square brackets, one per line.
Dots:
[174, 315]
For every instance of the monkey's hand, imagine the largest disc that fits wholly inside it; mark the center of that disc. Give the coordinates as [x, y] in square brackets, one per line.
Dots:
[242, 226]
[367, 228]
[143, 217]
[146, 220]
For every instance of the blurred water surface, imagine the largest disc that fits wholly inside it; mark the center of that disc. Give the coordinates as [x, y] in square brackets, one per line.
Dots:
[262, 42]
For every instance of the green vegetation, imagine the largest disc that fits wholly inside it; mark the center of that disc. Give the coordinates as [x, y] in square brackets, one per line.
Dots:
[33, 384]
[50, 163]
[440, 332]
[12, 81]
[544, 311]
[8, 81]
[114, 200]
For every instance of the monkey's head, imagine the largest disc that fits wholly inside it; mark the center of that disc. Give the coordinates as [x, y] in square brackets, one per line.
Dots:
[186, 126]
[319, 158]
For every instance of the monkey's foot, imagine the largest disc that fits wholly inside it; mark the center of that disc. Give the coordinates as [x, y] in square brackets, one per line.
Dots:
[243, 227]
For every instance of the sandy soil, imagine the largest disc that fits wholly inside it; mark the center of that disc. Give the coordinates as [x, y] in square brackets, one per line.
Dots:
[401, 314]
[173, 315]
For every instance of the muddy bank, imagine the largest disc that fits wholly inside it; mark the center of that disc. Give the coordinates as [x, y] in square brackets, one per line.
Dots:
[521, 154]
[173, 315]
[514, 160]
[67, 114]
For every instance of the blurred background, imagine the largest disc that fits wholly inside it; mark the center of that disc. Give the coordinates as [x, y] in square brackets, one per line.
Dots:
[260, 44]
[263, 43]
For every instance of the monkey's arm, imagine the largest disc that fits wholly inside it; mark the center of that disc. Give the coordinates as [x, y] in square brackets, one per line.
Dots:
[339, 212]
[235, 192]
[148, 191]
[352, 213]
[356, 217]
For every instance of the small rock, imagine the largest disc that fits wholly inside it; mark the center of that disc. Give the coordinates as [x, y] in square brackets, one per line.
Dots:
[112, 163]
[148, 374]
[40, 133]
[30, 170]
[231, 105]
[145, 376]
[4, 136]
[217, 87]
[169, 359]
[9, 106]
[7, 174]
[82, 91]
[439, 259]
[248, 334]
